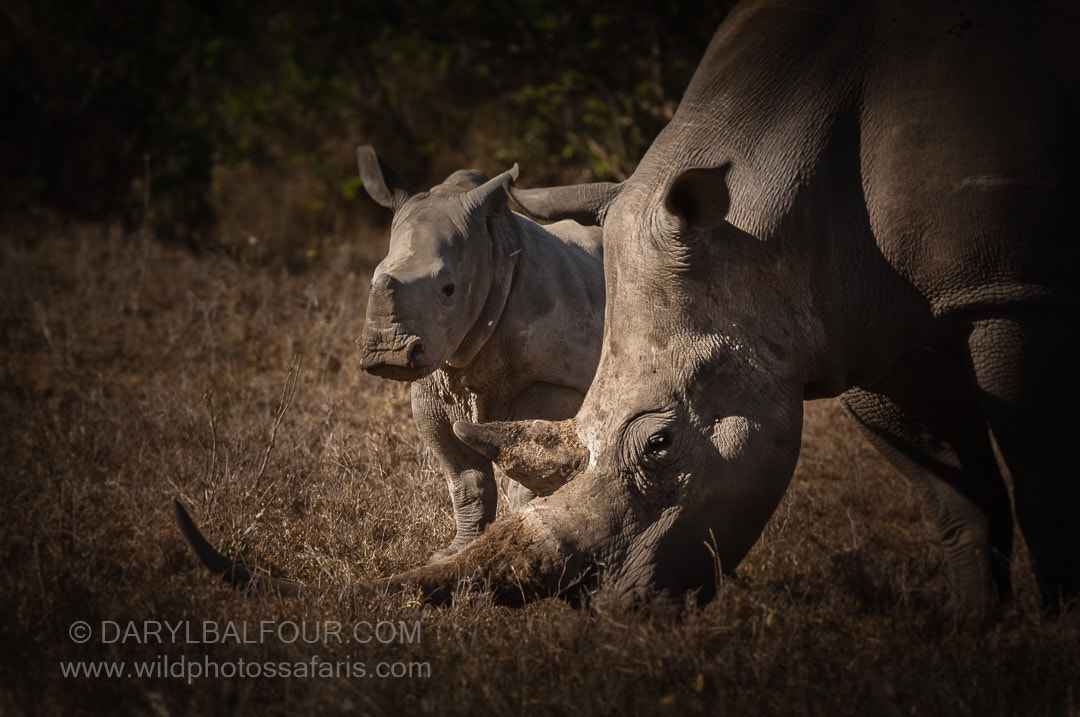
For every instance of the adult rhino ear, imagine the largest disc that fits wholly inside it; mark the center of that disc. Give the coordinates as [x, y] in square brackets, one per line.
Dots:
[541, 455]
[698, 199]
[492, 193]
[380, 180]
[584, 203]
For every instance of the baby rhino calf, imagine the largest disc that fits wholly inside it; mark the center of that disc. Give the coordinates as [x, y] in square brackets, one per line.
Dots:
[491, 316]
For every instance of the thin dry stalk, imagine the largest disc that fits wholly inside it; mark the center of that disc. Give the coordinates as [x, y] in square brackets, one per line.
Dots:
[287, 393]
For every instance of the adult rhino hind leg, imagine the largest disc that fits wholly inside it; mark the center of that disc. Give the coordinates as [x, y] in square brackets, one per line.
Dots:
[1025, 372]
[921, 422]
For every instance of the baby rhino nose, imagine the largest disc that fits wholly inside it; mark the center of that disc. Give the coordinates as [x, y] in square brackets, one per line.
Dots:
[381, 303]
[415, 355]
[385, 284]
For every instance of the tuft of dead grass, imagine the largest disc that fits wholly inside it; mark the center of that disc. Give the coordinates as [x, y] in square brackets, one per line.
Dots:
[134, 372]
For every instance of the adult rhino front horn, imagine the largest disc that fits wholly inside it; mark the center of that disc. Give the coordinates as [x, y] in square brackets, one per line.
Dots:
[517, 558]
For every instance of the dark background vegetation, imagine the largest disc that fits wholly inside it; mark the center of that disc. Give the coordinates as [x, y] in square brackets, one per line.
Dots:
[194, 117]
[184, 260]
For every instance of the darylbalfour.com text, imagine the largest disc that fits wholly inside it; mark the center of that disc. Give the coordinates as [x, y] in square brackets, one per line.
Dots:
[331, 634]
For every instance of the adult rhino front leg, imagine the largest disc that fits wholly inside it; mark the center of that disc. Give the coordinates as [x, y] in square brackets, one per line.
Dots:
[937, 438]
[1023, 364]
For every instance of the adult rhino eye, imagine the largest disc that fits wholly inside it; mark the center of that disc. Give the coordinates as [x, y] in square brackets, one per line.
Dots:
[651, 442]
[448, 290]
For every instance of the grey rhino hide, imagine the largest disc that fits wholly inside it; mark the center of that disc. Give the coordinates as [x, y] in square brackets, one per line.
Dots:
[868, 200]
[489, 315]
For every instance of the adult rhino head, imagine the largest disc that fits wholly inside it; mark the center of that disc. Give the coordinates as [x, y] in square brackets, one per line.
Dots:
[691, 429]
[428, 295]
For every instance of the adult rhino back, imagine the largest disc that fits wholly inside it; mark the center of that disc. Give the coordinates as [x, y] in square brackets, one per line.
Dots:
[968, 145]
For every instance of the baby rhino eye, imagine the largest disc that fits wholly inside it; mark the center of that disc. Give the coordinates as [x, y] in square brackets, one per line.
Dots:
[658, 442]
[448, 290]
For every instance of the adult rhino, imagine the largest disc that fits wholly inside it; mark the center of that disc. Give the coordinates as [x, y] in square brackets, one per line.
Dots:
[489, 315]
[870, 200]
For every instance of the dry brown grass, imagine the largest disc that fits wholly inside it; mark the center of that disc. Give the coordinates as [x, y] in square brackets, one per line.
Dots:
[134, 372]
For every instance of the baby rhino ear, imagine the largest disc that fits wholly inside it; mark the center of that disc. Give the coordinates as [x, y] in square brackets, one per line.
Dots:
[380, 180]
[492, 193]
[698, 199]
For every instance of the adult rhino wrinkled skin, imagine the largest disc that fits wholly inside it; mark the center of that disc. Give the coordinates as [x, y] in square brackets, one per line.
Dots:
[489, 315]
[870, 200]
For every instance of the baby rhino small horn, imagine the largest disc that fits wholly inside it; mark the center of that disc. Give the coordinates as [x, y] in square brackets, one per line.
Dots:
[541, 455]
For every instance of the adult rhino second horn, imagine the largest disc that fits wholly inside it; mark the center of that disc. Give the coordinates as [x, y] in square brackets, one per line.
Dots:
[541, 455]
[586, 204]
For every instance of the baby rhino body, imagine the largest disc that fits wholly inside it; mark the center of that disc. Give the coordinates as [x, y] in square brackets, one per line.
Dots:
[491, 316]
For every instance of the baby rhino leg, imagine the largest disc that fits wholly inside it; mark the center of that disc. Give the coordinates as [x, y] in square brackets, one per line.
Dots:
[470, 477]
[473, 494]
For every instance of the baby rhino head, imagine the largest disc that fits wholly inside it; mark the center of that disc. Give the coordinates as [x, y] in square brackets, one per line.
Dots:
[429, 292]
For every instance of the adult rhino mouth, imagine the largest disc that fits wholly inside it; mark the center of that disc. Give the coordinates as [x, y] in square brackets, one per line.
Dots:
[391, 354]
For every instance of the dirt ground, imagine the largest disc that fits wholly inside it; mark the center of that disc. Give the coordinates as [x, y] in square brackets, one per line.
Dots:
[134, 371]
